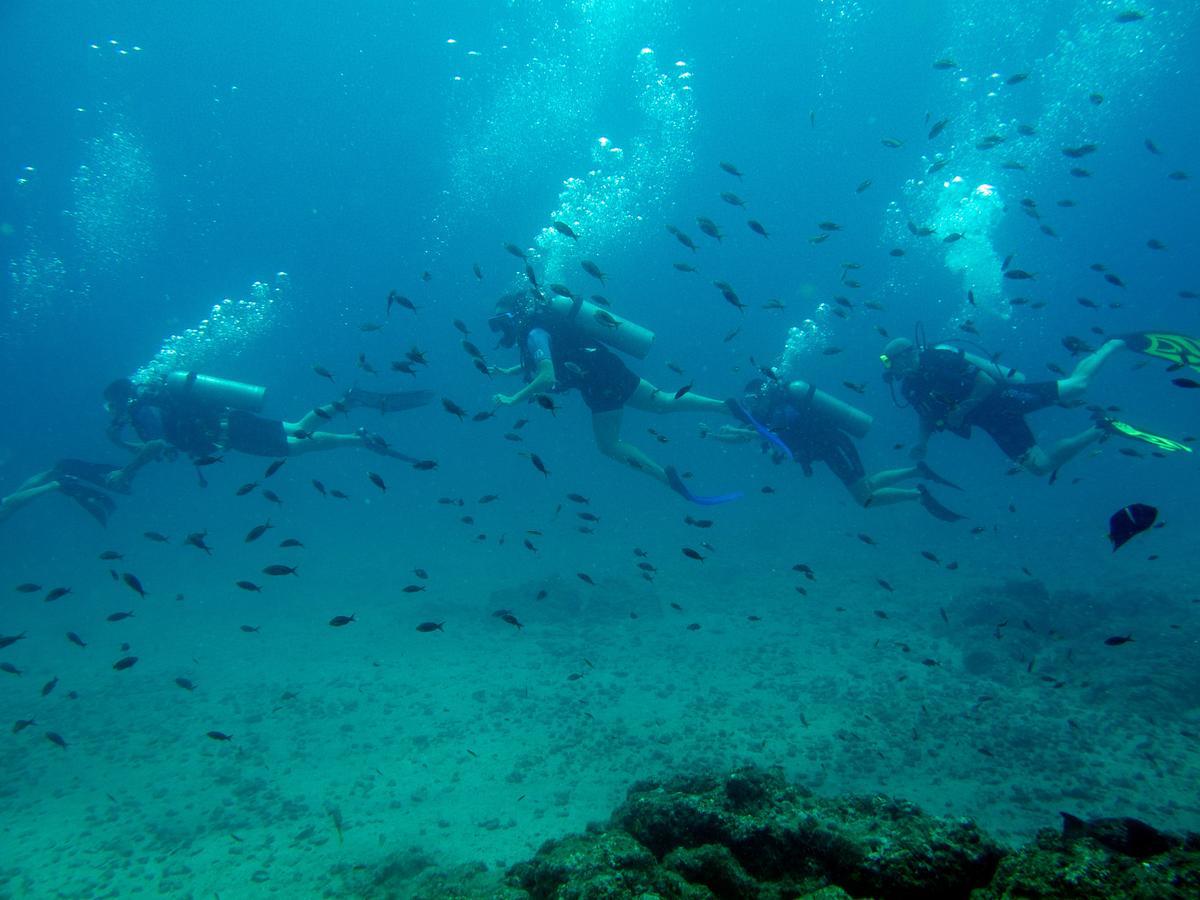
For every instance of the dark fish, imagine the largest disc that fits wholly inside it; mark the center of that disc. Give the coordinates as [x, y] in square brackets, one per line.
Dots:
[538, 464]
[156, 537]
[274, 467]
[259, 530]
[339, 621]
[75, 639]
[578, 498]
[1080, 151]
[1114, 280]
[1118, 640]
[249, 586]
[57, 739]
[134, 584]
[9, 639]
[757, 227]
[453, 408]
[932, 557]
[118, 616]
[883, 584]
[1129, 521]
[937, 128]
[421, 573]
[1019, 275]
[511, 620]
[378, 481]
[246, 488]
[186, 683]
[125, 662]
[892, 143]
[564, 229]
[585, 578]
[1130, 15]
[945, 65]
[21, 724]
[220, 736]
[431, 626]
[281, 570]
[867, 539]
[732, 199]
[863, 185]
[515, 251]
[10, 669]
[196, 539]
[207, 461]
[251, 629]
[731, 169]
[413, 588]
[272, 497]
[421, 465]
[1016, 79]
[1185, 383]
[546, 402]
[28, 588]
[709, 227]
[692, 554]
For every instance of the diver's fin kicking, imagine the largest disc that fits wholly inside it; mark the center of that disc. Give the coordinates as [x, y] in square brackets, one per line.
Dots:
[680, 488]
[93, 473]
[929, 475]
[1124, 429]
[394, 401]
[936, 509]
[739, 411]
[95, 503]
[1177, 349]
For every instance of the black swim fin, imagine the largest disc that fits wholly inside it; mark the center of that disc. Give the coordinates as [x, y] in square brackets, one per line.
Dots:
[936, 509]
[929, 475]
[394, 401]
[96, 504]
[93, 473]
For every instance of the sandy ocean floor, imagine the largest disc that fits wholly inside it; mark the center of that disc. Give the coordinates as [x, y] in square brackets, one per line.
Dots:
[477, 743]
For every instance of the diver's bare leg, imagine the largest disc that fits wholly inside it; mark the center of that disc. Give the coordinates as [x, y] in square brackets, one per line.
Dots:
[26, 495]
[1074, 386]
[1042, 462]
[606, 426]
[648, 398]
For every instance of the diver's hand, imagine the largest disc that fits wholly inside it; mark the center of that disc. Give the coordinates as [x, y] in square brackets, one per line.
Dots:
[117, 480]
[503, 400]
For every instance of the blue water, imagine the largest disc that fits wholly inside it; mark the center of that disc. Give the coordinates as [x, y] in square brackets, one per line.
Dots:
[157, 161]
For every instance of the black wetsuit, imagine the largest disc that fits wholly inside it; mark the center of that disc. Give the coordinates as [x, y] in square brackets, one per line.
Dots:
[200, 429]
[811, 435]
[944, 379]
[601, 376]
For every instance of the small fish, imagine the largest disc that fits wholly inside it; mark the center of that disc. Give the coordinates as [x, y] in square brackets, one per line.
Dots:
[75, 639]
[259, 530]
[709, 227]
[731, 169]
[945, 65]
[118, 616]
[196, 539]
[938, 128]
[757, 227]
[272, 497]
[1016, 79]
[431, 626]
[863, 185]
[732, 199]
[1019, 275]
[220, 736]
[134, 584]
[885, 585]
[1118, 640]
[538, 464]
[1130, 15]
[125, 662]
[251, 629]
[564, 229]
[249, 586]
[378, 481]
[421, 465]
[281, 570]
[892, 143]
[867, 539]
[515, 251]
[684, 267]
[932, 557]
[273, 468]
[21, 724]
[339, 621]
[585, 578]
[57, 739]
[692, 554]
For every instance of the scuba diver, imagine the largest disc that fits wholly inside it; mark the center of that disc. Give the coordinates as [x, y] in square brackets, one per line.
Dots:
[199, 416]
[562, 343]
[799, 422]
[75, 478]
[951, 390]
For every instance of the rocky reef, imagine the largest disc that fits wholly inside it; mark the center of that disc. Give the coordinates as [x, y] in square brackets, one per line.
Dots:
[750, 834]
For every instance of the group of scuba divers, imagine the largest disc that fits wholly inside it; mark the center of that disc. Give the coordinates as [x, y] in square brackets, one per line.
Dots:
[568, 344]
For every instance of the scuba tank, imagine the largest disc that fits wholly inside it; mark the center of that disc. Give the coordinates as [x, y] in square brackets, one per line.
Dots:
[601, 325]
[209, 390]
[846, 417]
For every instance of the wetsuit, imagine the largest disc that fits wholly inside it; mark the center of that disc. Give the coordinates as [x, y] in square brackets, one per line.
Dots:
[199, 429]
[810, 435]
[944, 379]
[603, 379]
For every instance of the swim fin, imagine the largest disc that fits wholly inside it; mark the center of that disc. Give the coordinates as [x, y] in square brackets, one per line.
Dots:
[929, 475]
[935, 508]
[680, 488]
[1177, 349]
[742, 414]
[1124, 429]
[90, 472]
[394, 401]
[95, 503]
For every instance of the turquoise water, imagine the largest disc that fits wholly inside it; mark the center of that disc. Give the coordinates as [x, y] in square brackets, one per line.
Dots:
[292, 164]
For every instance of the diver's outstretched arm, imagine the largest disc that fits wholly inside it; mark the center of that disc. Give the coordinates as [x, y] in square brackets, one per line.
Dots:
[542, 381]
